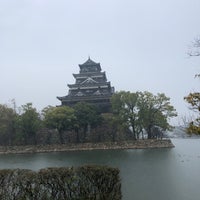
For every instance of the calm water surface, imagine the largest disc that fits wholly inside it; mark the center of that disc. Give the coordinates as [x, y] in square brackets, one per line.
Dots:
[156, 174]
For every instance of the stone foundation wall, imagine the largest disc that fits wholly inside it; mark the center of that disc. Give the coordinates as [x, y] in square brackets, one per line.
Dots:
[138, 144]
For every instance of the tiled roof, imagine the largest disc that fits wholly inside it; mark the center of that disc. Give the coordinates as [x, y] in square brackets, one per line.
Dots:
[90, 62]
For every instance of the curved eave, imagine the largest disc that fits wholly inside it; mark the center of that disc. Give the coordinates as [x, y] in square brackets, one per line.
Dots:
[92, 74]
[61, 98]
[107, 84]
[92, 97]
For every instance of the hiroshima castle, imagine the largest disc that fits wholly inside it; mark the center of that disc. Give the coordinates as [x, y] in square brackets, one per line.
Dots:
[91, 86]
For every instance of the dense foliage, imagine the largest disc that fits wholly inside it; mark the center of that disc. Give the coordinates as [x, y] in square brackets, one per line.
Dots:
[62, 124]
[28, 123]
[7, 125]
[133, 115]
[87, 117]
[60, 118]
[87, 182]
[143, 111]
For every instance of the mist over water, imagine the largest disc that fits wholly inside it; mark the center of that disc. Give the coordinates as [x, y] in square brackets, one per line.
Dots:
[153, 174]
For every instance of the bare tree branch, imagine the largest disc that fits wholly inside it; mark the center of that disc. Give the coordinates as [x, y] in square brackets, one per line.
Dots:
[195, 47]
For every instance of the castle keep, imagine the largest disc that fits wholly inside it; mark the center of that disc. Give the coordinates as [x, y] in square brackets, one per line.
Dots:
[91, 86]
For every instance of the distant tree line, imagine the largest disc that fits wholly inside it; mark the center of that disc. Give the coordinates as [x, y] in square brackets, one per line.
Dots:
[134, 116]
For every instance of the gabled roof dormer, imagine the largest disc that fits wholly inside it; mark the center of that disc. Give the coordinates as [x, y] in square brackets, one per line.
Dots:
[89, 80]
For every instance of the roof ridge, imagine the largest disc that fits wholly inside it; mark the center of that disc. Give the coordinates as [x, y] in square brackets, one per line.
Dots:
[89, 61]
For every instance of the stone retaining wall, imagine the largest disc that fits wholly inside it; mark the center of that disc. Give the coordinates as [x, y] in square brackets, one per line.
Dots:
[138, 144]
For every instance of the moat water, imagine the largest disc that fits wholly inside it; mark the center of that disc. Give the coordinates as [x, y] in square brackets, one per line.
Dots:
[149, 174]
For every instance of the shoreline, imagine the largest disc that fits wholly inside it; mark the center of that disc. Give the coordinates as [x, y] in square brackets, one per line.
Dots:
[131, 144]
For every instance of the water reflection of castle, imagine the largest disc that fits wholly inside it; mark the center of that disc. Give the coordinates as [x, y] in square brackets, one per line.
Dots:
[91, 86]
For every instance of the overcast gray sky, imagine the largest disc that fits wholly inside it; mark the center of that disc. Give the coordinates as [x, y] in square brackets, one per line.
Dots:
[141, 44]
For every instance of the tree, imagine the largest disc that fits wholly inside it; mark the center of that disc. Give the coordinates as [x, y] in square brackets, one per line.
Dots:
[28, 123]
[61, 118]
[143, 111]
[155, 111]
[195, 47]
[125, 108]
[7, 124]
[194, 98]
[87, 117]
